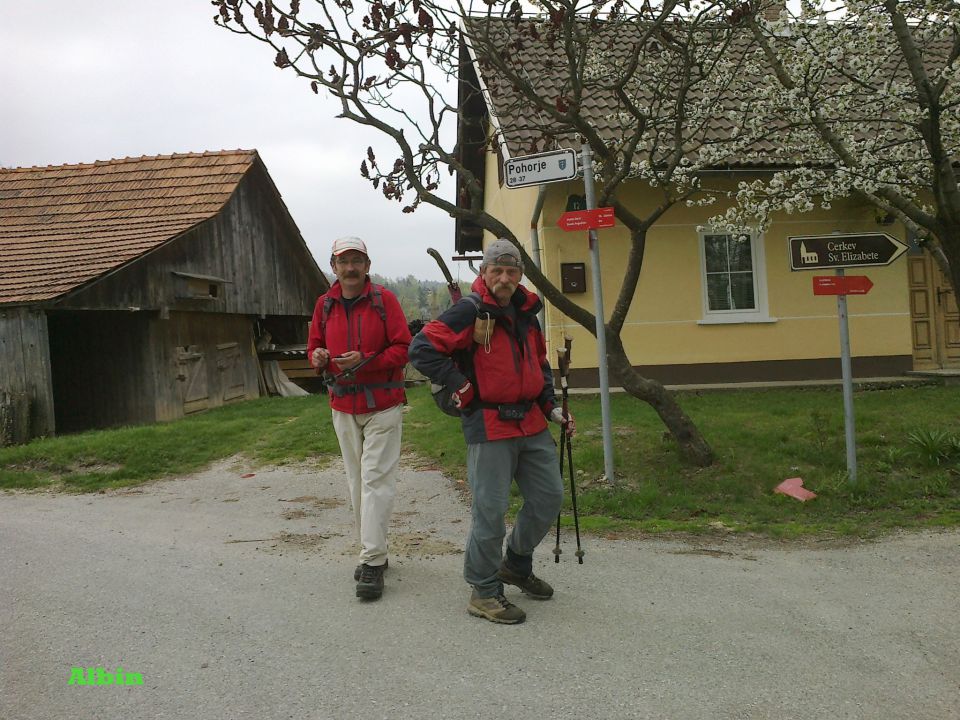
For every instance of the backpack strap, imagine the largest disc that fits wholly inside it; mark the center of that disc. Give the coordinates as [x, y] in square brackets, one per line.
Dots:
[325, 313]
[376, 301]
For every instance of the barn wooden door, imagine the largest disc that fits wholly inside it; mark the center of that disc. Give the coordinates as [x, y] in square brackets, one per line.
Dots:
[192, 376]
[934, 314]
[230, 366]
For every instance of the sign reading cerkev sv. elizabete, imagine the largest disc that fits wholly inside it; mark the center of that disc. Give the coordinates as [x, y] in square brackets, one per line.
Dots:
[541, 168]
[815, 252]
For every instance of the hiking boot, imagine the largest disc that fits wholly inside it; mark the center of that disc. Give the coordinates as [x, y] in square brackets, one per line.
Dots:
[530, 584]
[495, 609]
[370, 582]
[358, 570]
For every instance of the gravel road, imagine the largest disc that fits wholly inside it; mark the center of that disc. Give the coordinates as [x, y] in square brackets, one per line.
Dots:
[231, 593]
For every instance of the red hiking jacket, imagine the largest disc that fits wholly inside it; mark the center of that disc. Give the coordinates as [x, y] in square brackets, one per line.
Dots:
[514, 369]
[378, 385]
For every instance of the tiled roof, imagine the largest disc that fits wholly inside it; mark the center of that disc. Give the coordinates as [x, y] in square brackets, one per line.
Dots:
[543, 64]
[62, 226]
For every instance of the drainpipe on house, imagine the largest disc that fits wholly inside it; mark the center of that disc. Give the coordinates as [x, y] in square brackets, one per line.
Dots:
[535, 245]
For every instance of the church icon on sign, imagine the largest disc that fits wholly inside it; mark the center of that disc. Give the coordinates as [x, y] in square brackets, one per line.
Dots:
[807, 257]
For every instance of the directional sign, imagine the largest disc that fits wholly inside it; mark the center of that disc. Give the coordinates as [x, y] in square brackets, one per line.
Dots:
[539, 169]
[841, 284]
[815, 252]
[587, 219]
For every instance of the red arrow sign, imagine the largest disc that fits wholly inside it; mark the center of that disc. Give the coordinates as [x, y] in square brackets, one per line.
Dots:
[841, 285]
[587, 219]
[603, 217]
[575, 220]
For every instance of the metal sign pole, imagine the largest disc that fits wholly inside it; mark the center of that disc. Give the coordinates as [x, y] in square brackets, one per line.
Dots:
[587, 162]
[845, 366]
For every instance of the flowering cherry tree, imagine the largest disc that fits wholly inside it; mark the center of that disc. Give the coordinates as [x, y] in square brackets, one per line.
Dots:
[399, 66]
[865, 99]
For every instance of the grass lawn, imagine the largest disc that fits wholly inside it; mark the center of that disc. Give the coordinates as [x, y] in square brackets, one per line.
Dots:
[908, 451]
[271, 430]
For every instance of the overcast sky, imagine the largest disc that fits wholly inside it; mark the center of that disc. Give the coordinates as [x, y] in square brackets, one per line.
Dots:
[85, 81]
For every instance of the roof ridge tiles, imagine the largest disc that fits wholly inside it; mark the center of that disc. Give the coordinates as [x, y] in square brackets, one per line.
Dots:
[131, 159]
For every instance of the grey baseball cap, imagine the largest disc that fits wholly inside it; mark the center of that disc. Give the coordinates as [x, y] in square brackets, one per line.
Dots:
[502, 252]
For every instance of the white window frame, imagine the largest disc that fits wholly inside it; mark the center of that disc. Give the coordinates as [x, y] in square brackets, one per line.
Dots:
[761, 313]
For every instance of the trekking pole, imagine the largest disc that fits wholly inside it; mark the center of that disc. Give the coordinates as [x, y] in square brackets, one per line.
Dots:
[563, 362]
[563, 436]
[453, 288]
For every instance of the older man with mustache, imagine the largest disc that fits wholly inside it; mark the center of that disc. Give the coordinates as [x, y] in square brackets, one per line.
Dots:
[503, 385]
[360, 336]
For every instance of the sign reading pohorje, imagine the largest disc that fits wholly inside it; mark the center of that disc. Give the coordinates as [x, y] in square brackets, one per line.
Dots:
[541, 168]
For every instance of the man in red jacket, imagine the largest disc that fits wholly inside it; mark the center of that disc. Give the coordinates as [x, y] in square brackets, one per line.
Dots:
[359, 336]
[504, 389]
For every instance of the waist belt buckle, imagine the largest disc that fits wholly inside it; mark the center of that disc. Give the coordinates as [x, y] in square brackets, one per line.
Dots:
[512, 411]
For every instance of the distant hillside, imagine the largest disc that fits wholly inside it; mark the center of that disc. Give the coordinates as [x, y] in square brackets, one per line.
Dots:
[420, 299]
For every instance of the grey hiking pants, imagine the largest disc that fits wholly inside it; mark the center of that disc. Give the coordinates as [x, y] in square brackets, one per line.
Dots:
[491, 468]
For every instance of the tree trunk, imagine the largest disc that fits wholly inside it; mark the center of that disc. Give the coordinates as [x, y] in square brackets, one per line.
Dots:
[693, 446]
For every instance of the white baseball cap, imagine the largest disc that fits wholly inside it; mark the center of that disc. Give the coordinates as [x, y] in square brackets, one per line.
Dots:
[341, 245]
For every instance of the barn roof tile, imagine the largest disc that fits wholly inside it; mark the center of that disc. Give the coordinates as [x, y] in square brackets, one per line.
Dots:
[62, 226]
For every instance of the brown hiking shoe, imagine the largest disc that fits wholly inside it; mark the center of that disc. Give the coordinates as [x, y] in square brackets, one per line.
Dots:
[359, 569]
[495, 609]
[530, 584]
[370, 584]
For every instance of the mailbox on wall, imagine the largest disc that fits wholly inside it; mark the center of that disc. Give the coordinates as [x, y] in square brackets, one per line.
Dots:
[573, 277]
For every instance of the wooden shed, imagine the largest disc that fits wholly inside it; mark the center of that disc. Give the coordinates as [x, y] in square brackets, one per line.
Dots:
[133, 290]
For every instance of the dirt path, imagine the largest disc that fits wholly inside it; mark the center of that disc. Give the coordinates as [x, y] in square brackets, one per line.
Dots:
[231, 593]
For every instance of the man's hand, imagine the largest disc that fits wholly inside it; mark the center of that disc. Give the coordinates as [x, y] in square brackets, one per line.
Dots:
[569, 426]
[347, 360]
[463, 397]
[319, 358]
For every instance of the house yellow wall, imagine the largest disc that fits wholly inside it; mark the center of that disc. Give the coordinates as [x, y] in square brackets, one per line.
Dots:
[664, 324]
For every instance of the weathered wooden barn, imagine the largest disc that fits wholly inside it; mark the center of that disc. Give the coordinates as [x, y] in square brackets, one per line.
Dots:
[133, 290]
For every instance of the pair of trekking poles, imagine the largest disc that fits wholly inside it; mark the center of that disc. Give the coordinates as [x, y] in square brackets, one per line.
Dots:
[566, 444]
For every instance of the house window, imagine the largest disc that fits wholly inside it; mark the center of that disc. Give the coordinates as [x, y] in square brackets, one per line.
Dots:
[734, 278]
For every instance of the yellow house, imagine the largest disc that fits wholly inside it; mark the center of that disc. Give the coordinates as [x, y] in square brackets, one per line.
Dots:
[712, 307]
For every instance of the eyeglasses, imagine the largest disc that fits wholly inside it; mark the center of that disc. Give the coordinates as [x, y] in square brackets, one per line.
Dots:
[343, 262]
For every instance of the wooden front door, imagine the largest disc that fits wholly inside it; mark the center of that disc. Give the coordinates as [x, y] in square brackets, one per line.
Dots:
[935, 317]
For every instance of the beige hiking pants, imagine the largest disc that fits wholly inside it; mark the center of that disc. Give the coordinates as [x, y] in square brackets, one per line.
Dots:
[370, 445]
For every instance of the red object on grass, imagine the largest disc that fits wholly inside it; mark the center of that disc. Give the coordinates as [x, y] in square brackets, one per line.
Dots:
[794, 488]
[248, 475]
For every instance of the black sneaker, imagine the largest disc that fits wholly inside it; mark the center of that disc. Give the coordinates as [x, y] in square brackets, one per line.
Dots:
[370, 584]
[530, 584]
[357, 571]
